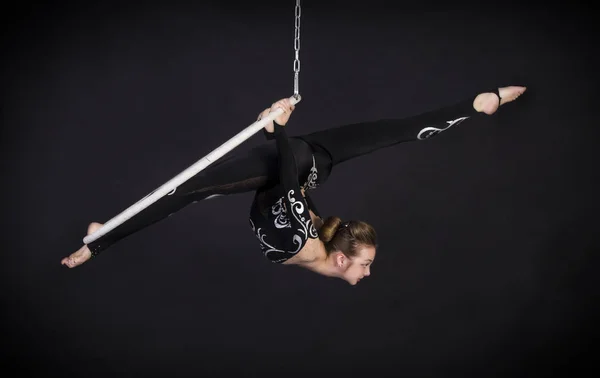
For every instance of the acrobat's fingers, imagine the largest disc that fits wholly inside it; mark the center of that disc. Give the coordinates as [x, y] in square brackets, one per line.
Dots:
[264, 113]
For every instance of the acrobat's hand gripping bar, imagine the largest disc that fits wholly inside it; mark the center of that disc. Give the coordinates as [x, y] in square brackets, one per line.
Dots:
[191, 171]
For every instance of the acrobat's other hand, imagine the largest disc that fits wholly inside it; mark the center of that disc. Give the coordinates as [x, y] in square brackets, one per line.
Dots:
[287, 107]
[283, 104]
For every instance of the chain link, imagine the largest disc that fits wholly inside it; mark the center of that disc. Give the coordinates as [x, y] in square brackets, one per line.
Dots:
[297, 48]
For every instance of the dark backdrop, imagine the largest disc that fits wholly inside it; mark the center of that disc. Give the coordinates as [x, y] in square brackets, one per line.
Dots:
[488, 232]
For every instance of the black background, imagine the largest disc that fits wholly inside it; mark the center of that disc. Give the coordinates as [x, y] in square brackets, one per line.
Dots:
[488, 232]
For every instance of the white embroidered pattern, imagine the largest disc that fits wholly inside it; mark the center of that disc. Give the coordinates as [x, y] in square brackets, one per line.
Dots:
[428, 132]
[264, 246]
[306, 229]
[311, 182]
[280, 212]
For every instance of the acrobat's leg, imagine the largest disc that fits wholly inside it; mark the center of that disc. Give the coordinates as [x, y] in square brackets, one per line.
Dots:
[229, 175]
[353, 140]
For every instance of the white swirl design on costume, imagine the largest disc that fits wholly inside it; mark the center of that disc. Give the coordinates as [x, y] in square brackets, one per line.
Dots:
[280, 212]
[311, 182]
[428, 132]
[267, 248]
[308, 229]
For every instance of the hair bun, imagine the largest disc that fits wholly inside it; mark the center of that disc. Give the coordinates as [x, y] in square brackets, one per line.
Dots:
[329, 228]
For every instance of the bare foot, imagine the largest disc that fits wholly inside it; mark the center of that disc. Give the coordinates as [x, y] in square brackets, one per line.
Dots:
[489, 102]
[84, 253]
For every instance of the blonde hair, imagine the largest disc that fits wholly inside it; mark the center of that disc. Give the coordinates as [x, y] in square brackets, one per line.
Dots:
[346, 237]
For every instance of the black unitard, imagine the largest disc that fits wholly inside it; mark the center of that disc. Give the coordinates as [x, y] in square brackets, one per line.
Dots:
[275, 170]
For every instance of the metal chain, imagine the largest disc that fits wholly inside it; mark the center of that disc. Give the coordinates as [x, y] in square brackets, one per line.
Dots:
[297, 49]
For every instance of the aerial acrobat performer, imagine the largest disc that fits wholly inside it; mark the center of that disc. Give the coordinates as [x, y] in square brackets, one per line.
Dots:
[283, 217]
[283, 170]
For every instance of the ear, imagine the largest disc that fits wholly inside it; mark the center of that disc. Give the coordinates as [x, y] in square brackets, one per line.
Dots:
[340, 259]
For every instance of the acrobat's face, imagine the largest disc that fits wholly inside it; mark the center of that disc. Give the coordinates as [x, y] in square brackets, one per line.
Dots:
[359, 266]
